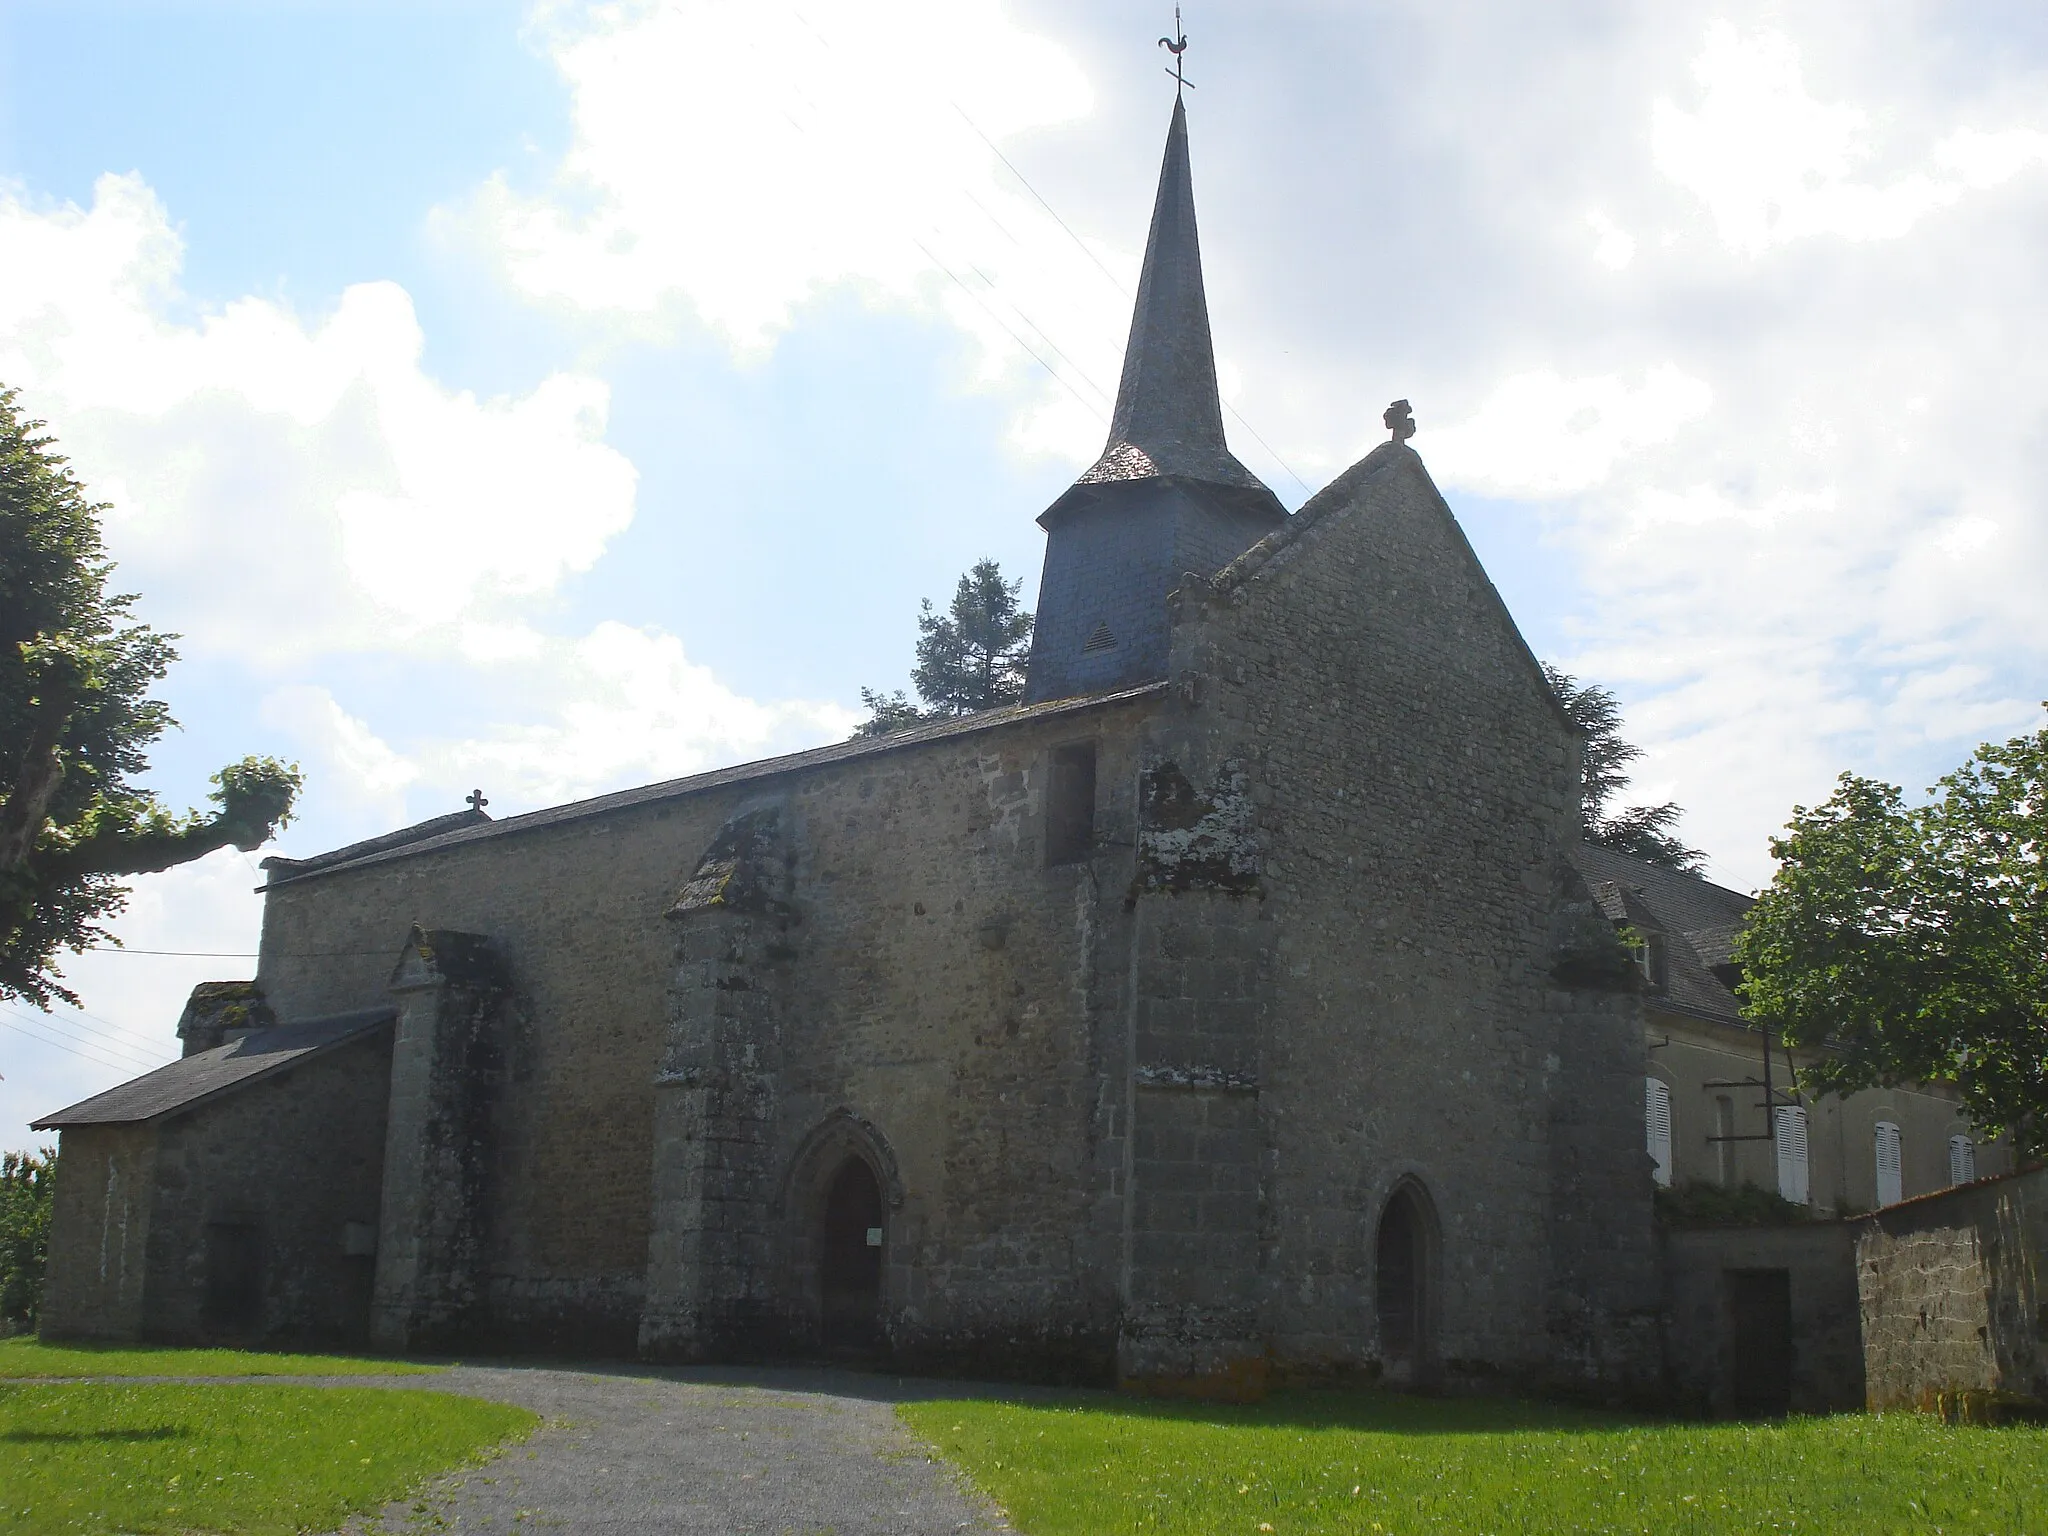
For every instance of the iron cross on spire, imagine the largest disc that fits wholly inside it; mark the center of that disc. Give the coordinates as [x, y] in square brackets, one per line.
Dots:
[1177, 45]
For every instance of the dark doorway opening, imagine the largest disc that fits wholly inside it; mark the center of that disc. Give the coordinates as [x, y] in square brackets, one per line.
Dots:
[851, 1260]
[1760, 1340]
[1401, 1296]
[234, 1275]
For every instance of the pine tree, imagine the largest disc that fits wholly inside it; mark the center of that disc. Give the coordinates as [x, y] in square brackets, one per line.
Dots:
[969, 658]
[1641, 831]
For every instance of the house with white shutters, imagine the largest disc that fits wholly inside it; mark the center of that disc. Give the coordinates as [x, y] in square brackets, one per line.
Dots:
[1720, 1101]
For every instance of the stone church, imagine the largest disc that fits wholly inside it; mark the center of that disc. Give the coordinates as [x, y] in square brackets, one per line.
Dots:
[1224, 1011]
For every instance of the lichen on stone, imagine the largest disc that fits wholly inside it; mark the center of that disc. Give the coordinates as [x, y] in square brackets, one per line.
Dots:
[1189, 840]
[737, 872]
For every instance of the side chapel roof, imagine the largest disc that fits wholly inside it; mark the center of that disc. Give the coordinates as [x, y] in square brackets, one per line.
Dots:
[186, 1082]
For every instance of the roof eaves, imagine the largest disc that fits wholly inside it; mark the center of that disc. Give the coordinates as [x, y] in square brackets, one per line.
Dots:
[742, 773]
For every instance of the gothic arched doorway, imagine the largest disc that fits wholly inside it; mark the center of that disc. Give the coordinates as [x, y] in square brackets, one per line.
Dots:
[1404, 1263]
[850, 1259]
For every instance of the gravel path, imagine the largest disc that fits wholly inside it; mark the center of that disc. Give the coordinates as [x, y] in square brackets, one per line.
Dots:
[735, 1453]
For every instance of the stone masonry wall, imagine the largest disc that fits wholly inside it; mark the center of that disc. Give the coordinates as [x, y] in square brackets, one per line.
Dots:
[1819, 1261]
[1411, 789]
[938, 984]
[298, 1156]
[1954, 1296]
[99, 1233]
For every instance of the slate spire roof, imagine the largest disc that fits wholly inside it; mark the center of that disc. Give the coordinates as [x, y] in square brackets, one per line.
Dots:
[1169, 417]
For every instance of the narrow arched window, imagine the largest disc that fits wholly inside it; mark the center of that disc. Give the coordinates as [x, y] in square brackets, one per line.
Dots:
[1890, 1186]
[1962, 1160]
[1790, 1126]
[1657, 1123]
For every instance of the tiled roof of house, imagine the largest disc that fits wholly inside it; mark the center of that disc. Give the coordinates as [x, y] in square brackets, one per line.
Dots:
[1698, 919]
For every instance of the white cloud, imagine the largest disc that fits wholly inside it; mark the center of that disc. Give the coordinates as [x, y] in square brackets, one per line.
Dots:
[627, 707]
[1539, 434]
[739, 162]
[1774, 165]
[289, 491]
[346, 498]
[347, 758]
[1613, 246]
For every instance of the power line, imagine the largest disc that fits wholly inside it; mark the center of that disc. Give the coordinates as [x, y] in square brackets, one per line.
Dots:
[83, 1055]
[93, 1039]
[189, 954]
[1094, 410]
[1048, 207]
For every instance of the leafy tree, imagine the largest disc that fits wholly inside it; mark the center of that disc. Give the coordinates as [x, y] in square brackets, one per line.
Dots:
[969, 658]
[75, 718]
[1912, 941]
[1641, 831]
[27, 1191]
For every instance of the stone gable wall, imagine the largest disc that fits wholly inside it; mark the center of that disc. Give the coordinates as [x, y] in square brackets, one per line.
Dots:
[1411, 790]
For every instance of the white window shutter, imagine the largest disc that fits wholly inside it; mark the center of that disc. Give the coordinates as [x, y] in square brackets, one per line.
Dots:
[1657, 1120]
[1962, 1160]
[1791, 1128]
[1890, 1186]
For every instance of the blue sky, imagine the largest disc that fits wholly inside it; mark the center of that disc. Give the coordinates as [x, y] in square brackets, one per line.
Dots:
[551, 398]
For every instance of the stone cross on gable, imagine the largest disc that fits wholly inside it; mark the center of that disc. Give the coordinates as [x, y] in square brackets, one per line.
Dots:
[476, 801]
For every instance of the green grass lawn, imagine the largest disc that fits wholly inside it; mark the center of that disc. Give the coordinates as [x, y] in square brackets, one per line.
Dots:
[1384, 1465]
[25, 1357]
[258, 1458]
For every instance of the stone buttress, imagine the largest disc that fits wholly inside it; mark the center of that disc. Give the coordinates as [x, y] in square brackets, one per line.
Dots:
[710, 1261]
[447, 1062]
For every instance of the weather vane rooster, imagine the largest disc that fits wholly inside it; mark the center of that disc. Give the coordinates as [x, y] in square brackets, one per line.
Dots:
[1176, 45]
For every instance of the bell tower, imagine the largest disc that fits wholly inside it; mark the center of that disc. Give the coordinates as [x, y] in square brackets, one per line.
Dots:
[1167, 495]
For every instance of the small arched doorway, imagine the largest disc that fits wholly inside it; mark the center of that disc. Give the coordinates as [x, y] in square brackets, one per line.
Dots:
[1403, 1286]
[850, 1259]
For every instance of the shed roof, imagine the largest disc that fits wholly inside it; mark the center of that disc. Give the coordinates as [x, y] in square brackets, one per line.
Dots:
[225, 1068]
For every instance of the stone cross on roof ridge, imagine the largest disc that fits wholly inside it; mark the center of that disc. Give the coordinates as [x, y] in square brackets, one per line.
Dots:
[1169, 416]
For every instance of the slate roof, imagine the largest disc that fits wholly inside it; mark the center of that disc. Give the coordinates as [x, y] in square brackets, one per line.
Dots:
[1169, 416]
[671, 789]
[418, 832]
[225, 1068]
[1698, 919]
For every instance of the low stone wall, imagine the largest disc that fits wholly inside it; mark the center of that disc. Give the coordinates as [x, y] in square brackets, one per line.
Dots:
[1952, 1293]
[1704, 1272]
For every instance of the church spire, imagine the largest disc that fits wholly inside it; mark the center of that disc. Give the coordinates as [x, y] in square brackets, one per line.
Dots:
[1169, 417]
[1166, 497]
